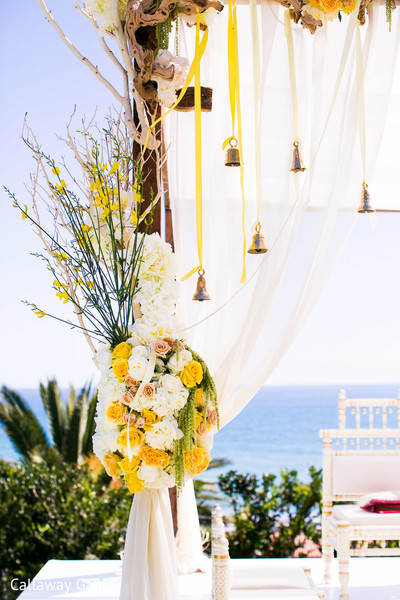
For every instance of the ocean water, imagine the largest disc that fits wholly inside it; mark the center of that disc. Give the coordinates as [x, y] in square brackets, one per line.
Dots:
[277, 430]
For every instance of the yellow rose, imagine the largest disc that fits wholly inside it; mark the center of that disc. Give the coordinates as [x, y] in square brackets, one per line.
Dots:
[135, 439]
[154, 457]
[134, 483]
[198, 395]
[329, 6]
[120, 369]
[199, 419]
[192, 374]
[111, 464]
[197, 462]
[348, 6]
[122, 350]
[115, 412]
[127, 466]
[150, 417]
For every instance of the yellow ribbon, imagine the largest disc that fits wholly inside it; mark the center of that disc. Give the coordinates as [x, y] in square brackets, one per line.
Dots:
[199, 51]
[257, 101]
[234, 99]
[197, 121]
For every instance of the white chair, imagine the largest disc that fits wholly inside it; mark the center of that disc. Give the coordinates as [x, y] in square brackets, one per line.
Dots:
[359, 461]
[245, 579]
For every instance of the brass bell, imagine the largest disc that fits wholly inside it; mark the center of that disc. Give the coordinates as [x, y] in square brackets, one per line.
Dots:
[365, 206]
[297, 162]
[258, 244]
[232, 154]
[201, 290]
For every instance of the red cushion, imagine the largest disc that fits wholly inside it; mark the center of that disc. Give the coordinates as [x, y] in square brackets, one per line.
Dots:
[381, 502]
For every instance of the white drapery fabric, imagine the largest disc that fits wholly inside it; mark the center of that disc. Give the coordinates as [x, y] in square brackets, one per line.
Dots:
[149, 569]
[256, 322]
[244, 341]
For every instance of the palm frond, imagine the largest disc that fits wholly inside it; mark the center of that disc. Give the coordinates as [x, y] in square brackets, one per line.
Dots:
[73, 434]
[87, 441]
[20, 423]
[55, 410]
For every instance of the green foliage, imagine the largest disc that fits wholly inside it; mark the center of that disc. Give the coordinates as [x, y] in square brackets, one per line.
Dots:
[269, 516]
[51, 512]
[207, 492]
[72, 424]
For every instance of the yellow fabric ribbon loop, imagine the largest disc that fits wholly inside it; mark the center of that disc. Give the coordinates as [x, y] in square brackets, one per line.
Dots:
[190, 273]
[228, 141]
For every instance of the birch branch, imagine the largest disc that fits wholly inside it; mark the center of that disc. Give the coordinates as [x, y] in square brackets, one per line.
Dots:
[125, 102]
[139, 104]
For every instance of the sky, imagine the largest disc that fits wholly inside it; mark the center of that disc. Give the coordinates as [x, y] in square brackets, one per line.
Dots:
[353, 333]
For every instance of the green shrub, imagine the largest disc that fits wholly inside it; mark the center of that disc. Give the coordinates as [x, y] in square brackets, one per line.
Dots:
[59, 512]
[272, 519]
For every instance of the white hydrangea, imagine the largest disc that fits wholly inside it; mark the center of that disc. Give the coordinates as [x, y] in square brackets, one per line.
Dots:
[155, 477]
[102, 10]
[163, 434]
[104, 358]
[105, 441]
[179, 398]
[161, 403]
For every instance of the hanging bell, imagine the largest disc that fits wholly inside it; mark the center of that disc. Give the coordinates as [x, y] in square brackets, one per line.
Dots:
[297, 162]
[365, 206]
[232, 154]
[201, 290]
[258, 244]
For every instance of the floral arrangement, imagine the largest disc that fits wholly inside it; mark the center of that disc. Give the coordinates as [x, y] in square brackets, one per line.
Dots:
[156, 396]
[316, 13]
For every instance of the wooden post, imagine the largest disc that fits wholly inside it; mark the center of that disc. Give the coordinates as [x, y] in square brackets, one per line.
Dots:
[149, 176]
[151, 182]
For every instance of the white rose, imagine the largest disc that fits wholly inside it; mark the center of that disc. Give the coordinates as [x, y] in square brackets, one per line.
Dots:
[140, 351]
[178, 361]
[137, 367]
[171, 383]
